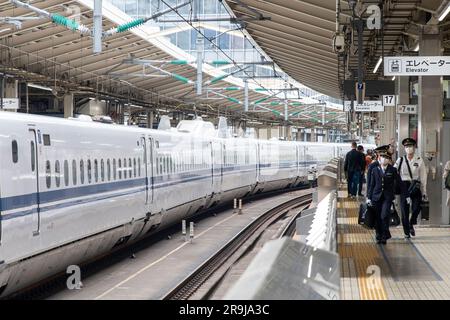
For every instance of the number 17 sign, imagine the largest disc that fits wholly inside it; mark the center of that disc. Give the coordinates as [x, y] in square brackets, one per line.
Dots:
[389, 100]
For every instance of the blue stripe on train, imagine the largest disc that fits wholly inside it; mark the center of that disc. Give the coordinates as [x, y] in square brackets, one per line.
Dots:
[16, 202]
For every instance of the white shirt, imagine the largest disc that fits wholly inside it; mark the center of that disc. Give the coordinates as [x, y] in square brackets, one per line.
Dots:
[418, 170]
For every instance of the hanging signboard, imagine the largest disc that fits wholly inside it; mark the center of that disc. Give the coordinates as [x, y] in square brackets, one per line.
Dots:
[366, 106]
[407, 108]
[417, 66]
[10, 104]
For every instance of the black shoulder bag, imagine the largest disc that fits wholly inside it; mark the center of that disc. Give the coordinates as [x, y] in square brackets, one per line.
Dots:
[414, 188]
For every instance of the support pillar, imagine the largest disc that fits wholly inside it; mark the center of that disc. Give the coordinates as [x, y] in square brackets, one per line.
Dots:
[150, 118]
[313, 135]
[12, 90]
[430, 124]
[402, 88]
[68, 105]
[388, 119]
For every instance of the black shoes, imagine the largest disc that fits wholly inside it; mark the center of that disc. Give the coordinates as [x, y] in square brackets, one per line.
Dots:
[412, 231]
[407, 236]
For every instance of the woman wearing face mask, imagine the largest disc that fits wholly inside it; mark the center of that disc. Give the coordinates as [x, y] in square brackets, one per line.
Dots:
[380, 192]
[413, 175]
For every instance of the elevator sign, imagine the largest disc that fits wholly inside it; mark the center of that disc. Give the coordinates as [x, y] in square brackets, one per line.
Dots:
[417, 66]
[366, 106]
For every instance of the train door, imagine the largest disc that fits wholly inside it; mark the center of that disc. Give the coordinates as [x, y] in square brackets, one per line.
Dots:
[146, 161]
[217, 167]
[34, 137]
[150, 168]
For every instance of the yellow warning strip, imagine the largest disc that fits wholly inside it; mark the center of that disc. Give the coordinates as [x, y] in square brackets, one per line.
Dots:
[357, 243]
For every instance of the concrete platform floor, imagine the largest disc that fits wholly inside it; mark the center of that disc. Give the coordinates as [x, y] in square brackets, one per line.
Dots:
[160, 267]
[417, 268]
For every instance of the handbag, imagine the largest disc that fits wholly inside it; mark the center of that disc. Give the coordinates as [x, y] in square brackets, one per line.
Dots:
[414, 188]
[394, 219]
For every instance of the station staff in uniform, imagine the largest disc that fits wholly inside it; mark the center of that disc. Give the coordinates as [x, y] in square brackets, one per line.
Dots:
[375, 163]
[413, 172]
[380, 193]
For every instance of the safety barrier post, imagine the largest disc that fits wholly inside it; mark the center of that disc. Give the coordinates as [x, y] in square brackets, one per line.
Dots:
[183, 229]
[191, 231]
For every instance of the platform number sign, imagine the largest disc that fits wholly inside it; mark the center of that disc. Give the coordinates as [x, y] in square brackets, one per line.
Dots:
[389, 100]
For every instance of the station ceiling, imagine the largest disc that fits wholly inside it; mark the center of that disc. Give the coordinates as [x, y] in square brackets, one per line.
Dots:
[51, 55]
[298, 36]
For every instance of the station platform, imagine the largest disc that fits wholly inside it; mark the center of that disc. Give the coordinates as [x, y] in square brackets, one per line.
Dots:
[403, 269]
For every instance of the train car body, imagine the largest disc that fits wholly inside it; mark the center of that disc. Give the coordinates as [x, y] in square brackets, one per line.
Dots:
[72, 190]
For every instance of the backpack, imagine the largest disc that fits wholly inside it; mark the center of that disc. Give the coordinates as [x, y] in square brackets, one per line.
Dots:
[447, 182]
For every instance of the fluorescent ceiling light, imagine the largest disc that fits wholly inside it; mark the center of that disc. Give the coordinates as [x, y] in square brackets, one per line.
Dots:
[377, 65]
[33, 85]
[4, 30]
[417, 48]
[445, 13]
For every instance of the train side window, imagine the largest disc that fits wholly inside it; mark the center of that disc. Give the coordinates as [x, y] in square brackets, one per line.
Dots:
[46, 138]
[120, 169]
[57, 173]
[48, 174]
[89, 171]
[33, 156]
[114, 169]
[108, 169]
[130, 168]
[15, 151]
[82, 171]
[66, 173]
[125, 169]
[139, 167]
[74, 172]
[96, 170]
[102, 169]
[134, 167]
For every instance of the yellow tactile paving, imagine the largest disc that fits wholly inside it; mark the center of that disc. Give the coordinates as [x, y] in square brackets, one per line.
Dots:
[356, 245]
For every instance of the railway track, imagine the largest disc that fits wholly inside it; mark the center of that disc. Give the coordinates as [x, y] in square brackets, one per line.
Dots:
[192, 283]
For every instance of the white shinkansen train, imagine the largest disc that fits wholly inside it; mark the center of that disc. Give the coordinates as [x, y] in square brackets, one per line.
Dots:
[71, 190]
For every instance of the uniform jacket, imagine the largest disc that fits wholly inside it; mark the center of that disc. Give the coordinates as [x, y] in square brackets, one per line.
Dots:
[418, 170]
[354, 161]
[382, 183]
[369, 171]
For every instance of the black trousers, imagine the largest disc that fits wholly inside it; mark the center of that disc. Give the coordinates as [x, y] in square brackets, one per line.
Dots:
[382, 217]
[361, 182]
[352, 182]
[404, 206]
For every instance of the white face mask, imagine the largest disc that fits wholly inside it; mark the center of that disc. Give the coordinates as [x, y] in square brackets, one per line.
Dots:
[409, 150]
[383, 161]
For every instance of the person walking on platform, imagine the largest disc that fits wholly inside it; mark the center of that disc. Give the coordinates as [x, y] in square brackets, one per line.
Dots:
[353, 167]
[413, 186]
[380, 193]
[375, 163]
[362, 176]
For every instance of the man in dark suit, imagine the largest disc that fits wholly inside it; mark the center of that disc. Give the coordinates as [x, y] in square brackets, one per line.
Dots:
[380, 193]
[354, 166]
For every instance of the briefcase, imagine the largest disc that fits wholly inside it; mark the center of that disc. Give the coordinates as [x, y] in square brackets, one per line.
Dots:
[366, 216]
